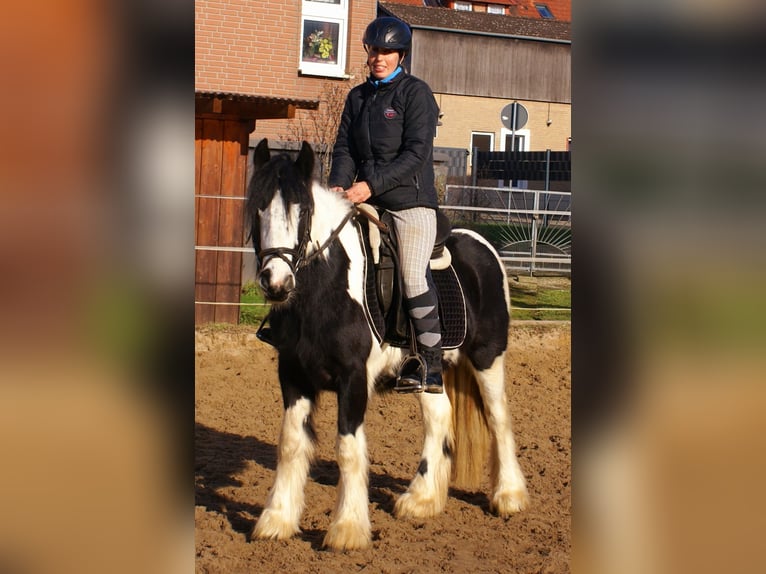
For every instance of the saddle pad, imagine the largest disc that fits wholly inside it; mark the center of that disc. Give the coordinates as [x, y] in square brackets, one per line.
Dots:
[451, 307]
[450, 293]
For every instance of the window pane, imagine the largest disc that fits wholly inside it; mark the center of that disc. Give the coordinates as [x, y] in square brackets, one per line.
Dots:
[544, 11]
[481, 141]
[517, 145]
[320, 41]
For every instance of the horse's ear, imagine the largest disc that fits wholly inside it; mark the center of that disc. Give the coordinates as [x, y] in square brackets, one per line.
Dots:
[261, 154]
[305, 161]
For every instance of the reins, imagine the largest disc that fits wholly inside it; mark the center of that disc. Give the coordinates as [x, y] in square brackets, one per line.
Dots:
[370, 217]
[332, 237]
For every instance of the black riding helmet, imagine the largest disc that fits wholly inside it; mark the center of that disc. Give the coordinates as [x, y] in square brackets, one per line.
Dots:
[388, 32]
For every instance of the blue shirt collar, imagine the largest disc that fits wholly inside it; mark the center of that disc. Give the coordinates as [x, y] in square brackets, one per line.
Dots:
[387, 79]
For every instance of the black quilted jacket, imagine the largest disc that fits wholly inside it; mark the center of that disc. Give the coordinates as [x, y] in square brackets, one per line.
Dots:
[386, 139]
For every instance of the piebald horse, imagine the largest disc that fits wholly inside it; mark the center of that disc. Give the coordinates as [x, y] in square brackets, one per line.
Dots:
[312, 268]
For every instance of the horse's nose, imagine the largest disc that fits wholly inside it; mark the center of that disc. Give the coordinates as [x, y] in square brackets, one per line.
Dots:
[275, 290]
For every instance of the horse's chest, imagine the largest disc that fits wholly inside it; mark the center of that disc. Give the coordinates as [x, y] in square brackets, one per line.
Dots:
[324, 328]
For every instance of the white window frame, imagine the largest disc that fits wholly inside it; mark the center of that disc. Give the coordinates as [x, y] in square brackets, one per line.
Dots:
[495, 9]
[333, 14]
[463, 6]
[524, 134]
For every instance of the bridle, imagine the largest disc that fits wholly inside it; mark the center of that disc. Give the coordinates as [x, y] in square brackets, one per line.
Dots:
[298, 254]
[299, 257]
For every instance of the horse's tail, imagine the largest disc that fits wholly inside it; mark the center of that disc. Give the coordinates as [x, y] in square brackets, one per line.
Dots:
[469, 423]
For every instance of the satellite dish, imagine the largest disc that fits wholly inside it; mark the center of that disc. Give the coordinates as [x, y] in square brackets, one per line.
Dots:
[514, 116]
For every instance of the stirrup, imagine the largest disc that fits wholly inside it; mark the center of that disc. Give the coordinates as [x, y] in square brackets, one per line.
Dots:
[411, 377]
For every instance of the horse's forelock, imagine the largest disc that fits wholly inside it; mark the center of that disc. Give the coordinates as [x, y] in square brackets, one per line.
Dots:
[281, 175]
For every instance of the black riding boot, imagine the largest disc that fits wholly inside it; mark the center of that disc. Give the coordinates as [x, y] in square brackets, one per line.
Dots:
[423, 373]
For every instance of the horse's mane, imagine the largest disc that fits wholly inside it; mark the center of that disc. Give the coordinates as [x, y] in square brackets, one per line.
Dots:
[329, 199]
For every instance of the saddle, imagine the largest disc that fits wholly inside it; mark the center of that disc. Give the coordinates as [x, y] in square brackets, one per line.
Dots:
[384, 295]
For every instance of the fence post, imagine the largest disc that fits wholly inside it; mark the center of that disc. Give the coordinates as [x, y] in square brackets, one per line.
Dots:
[535, 216]
[547, 182]
[474, 179]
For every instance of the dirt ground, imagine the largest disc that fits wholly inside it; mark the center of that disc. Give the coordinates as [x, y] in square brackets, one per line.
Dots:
[238, 416]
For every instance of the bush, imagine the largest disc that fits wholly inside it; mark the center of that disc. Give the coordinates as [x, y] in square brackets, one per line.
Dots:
[252, 314]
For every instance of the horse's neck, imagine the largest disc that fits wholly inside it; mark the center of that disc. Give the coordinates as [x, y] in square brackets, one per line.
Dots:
[330, 211]
[332, 226]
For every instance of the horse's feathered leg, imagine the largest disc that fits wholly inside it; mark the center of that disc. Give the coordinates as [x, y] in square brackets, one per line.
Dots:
[350, 527]
[509, 490]
[427, 493]
[281, 516]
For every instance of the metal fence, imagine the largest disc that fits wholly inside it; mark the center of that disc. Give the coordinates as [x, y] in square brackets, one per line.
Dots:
[531, 229]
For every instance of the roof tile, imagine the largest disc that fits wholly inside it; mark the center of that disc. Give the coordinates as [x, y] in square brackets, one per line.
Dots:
[423, 17]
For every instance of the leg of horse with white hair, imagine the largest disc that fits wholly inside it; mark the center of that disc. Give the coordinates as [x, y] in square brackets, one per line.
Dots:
[281, 516]
[350, 527]
[427, 493]
[509, 490]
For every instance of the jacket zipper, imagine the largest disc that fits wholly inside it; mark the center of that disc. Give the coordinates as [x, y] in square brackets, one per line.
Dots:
[369, 119]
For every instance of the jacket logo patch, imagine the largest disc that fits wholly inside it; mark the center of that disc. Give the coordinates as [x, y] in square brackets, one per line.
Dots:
[389, 113]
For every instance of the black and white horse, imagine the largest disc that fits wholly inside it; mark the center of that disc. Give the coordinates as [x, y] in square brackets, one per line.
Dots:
[312, 268]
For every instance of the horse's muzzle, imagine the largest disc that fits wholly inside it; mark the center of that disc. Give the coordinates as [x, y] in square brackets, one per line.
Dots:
[276, 291]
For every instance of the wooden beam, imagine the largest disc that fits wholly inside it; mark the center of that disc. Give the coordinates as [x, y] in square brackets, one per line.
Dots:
[248, 109]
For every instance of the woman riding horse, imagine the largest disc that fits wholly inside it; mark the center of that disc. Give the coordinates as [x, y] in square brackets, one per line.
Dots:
[383, 155]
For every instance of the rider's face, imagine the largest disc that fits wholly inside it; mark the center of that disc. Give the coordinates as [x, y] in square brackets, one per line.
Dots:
[382, 62]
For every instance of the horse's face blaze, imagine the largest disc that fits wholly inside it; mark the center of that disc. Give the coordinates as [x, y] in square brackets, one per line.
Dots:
[278, 227]
[279, 208]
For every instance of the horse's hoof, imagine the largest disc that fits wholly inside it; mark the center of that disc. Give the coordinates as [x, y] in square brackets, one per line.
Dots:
[509, 502]
[410, 506]
[271, 527]
[347, 536]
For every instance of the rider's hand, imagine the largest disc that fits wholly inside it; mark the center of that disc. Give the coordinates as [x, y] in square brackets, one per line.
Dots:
[359, 192]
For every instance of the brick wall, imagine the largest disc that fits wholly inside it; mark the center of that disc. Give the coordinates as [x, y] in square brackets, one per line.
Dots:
[253, 46]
